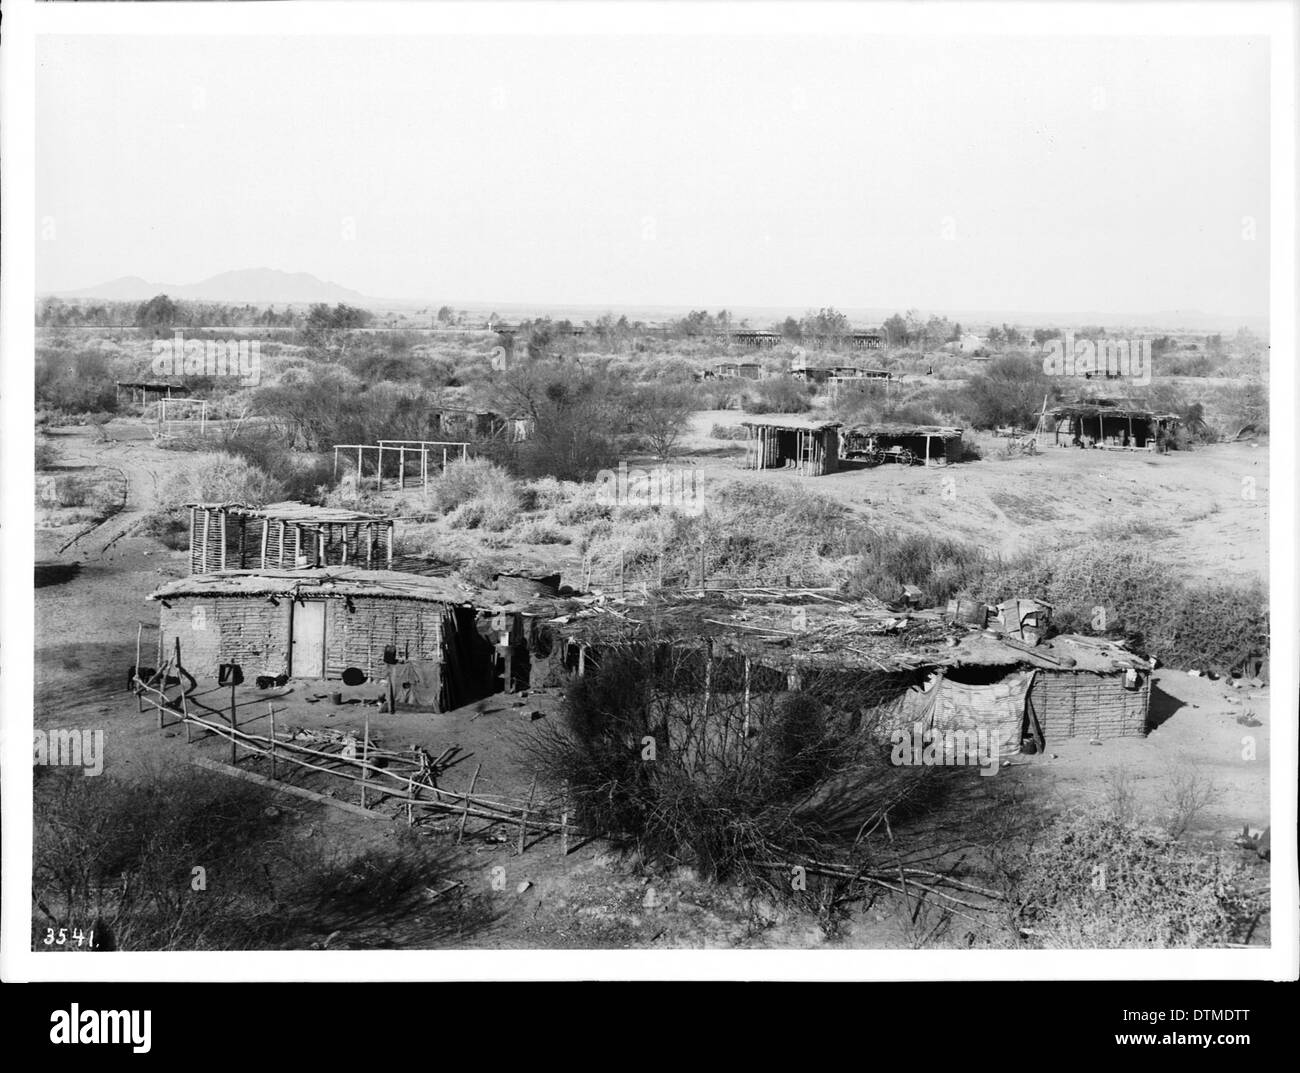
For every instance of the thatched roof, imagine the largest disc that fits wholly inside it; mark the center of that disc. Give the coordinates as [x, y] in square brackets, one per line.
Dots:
[1108, 407]
[294, 513]
[819, 631]
[941, 431]
[803, 424]
[341, 582]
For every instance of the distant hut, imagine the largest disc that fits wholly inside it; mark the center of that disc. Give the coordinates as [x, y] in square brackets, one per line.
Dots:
[809, 447]
[929, 445]
[1111, 425]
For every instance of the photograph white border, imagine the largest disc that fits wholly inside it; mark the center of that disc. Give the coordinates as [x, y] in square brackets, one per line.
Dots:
[25, 20]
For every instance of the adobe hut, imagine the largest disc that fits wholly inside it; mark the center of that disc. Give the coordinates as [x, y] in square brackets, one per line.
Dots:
[286, 536]
[810, 447]
[1109, 425]
[887, 671]
[314, 624]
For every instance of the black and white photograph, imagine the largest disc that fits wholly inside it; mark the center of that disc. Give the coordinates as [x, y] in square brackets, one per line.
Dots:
[516, 482]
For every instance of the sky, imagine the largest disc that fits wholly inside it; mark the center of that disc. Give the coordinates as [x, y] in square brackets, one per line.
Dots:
[1032, 174]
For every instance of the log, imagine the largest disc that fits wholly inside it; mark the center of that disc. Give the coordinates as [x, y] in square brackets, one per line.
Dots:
[296, 791]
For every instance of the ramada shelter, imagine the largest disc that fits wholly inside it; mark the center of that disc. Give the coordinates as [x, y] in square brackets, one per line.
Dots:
[929, 445]
[286, 536]
[1110, 425]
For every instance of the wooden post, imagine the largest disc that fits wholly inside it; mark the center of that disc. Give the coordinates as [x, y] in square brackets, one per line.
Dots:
[564, 819]
[336, 463]
[745, 702]
[270, 710]
[401, 468]
[444, 460]
[379, 473]
[708, 678]
[139, 697]
[365, 759]
[460, 833]
[389, 531]
[234, 720]
[523, 819]
[162, 686]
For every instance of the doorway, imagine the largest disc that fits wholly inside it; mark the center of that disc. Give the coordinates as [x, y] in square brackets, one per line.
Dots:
[307, 640]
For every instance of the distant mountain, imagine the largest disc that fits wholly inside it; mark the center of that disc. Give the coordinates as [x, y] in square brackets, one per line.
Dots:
[256, 286]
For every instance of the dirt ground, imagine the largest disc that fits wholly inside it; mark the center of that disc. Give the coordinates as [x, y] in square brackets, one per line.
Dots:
[87, 621]
[1207, 509]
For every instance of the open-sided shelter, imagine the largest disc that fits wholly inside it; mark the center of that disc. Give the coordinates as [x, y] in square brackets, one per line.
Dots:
[1110, 425]
[286, 536]
[810, 447]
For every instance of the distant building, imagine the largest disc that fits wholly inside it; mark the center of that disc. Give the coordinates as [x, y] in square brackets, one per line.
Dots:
[745, 370]
[810, 447]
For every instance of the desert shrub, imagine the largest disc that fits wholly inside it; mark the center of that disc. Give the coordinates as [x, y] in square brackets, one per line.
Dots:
[546, 493]
[118, 857]
[472, 479]
[1115, 591]
[1121, 590]
[583, 507]
[218, 478]
[46, 454]
[1245, 405]
[495, 508]
[539, 532]
[779, 395]
[1096, 882]
[1010, 391]
[302, 475]
[169, 529]
[940, 567]
[74, 382]
[729, 432]
[726, 394]
[102, 492]
[912, 413]
[578, 416]
[1214, 626]
[727, 786]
